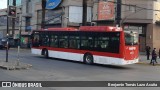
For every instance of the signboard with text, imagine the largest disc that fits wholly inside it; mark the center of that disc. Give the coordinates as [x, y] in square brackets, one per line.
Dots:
[52, 4]
[106, 10]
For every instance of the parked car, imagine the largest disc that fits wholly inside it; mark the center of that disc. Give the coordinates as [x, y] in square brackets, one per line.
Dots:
[3, 43]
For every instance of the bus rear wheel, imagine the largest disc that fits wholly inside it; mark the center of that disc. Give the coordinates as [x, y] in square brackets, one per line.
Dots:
[88, 59]
[45, 53]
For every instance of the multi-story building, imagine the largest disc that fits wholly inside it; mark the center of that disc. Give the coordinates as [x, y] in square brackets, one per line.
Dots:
[142, 16]
[137, 15]
[3, 21]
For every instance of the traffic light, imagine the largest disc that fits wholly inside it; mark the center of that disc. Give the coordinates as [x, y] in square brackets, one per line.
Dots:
[12, 11]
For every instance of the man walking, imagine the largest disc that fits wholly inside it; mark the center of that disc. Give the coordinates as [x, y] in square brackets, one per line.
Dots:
[154, 56]
[159, 53]
[148, 52]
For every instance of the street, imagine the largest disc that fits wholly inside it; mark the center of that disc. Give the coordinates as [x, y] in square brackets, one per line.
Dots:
[61, 70]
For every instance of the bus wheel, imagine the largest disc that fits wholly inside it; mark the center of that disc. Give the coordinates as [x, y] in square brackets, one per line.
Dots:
[46, 53]
[88, 59]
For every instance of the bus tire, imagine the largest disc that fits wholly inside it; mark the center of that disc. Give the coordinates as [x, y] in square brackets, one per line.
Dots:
[46, 53]
[88, 58]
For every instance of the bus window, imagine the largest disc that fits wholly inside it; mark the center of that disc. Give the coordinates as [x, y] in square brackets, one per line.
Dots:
[63, 41]
[74, 42]
[101, 43]
[54, 41]
[45, 39]
[114, 44]
[87, 43]
[109, 42]
[131, 38]
[36, 39]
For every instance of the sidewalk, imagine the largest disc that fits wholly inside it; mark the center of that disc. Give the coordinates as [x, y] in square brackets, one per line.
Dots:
[14, 65]
[143, 59]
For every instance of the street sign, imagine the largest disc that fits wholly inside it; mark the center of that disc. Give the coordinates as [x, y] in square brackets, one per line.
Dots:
[52, 4]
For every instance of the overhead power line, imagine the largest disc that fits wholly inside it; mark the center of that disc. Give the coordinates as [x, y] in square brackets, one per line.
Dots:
[134, 6]
[140, 9]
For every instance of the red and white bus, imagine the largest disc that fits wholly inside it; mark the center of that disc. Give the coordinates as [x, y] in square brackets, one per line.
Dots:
[88, 44]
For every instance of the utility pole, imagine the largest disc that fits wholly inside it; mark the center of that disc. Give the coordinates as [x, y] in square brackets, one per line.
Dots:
[43, 13]
[13, 20]
[118, 16]
[84, 17]
[7, 30]
[19, 38]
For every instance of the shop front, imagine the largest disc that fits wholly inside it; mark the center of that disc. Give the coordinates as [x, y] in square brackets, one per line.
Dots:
[25, 41]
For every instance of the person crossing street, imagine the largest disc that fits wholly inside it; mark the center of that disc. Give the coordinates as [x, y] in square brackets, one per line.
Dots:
[154, 57]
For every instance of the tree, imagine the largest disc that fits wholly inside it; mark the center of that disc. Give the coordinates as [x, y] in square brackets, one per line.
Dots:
[43, 13]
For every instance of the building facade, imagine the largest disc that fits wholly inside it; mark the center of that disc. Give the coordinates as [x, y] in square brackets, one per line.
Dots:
[143, 19]
[142, 16]
[137, 15]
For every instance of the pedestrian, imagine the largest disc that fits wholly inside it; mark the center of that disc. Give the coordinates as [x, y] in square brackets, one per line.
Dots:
[159, 53]
[154, 56]
[148, 50]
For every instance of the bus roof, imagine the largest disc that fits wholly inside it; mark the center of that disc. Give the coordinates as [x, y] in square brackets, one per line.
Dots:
[86, 28]
[100, 28]
[62, 29]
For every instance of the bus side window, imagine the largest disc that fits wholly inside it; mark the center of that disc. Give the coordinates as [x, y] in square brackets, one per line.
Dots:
[36, 41]
[74, 42]
[87, 43]
[114, 44]
[101, 43]
[54, 41]
[63, 42]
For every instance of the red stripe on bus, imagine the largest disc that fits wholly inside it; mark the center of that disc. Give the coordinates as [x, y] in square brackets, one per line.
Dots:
[82, 51]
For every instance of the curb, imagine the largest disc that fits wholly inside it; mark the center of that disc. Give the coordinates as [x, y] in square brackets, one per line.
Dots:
[145, 63]
[14, 66]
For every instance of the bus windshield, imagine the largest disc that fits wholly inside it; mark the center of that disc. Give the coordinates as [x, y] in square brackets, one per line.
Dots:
[36, 39]
[131, 38]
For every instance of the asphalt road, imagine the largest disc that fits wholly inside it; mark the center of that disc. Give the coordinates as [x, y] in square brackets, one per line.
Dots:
[61, 70]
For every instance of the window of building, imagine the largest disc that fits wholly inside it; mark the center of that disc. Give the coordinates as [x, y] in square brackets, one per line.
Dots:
[131, 8]
[17, 19]
[39, 18]
[137, 28]
[28, 23]
[3, 20]
[18, 2]
[10, 2]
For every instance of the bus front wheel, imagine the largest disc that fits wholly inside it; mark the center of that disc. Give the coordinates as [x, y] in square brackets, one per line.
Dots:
[88, 59]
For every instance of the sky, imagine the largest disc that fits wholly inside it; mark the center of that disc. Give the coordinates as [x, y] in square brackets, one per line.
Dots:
[3, 4]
